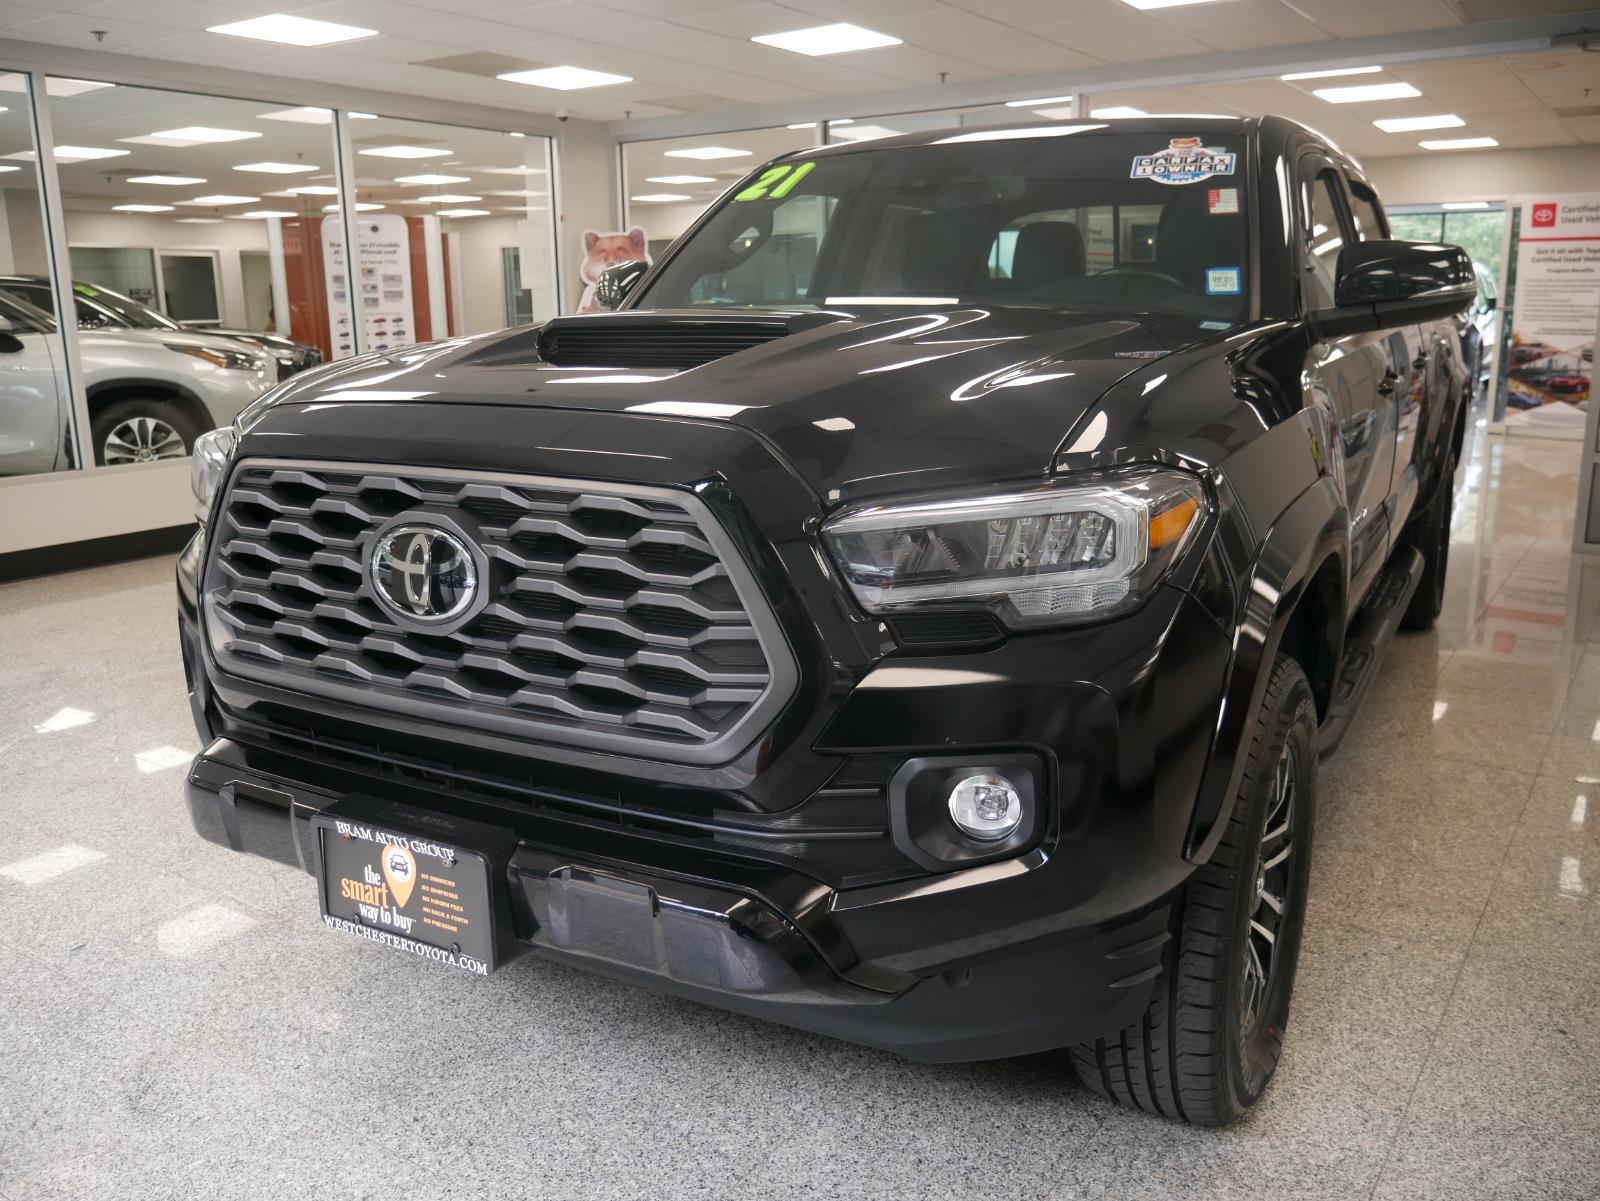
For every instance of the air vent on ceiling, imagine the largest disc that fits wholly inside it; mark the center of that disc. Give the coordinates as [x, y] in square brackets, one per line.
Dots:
[1579, 110]
[674, 342]
[480, 62]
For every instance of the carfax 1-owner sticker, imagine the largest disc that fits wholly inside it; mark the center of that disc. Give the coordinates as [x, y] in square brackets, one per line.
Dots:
[1185, 160]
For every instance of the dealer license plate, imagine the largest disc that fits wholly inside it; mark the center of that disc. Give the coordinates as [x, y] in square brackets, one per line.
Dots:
[385, 876]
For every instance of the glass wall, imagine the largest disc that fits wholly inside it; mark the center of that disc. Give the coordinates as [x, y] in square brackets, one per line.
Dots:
[36, 409]
[208, 257]
[1480, 232]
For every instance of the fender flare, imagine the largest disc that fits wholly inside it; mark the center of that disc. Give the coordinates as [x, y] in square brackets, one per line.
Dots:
[1313, 527]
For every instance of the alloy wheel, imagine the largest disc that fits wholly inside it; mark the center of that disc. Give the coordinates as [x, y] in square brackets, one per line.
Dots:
[1273, 876]
[142, 440]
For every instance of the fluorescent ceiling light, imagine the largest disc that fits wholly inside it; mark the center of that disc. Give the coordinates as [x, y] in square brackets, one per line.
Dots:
[1149, 4]
[444, 199]
[8, 167]
[361, 207]
[866, 133]
[406, 152]
[220, 199]
[278, 168]
[167, 181]
[60, 88]
[804, 125]
[419, 180]
[565, 79]
[659, 197]
[1457, 205]
[706, 153]
[362, 116]
[313, 189]
[827, 39]
[1363, 92]
[1332, 73]
[1116, 110]
[511, 170]
[1413, 124]
[524, 192]
[265, 213]
[1458, 143]
[463, 212]
[72, 154]
[680, 180]
[292, 31]
[309, 114]
[1038, 100]
[141, 208]
[192, 135]
[197, 221]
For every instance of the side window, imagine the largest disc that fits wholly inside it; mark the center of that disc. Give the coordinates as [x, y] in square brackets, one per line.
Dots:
[1370, 225]
[1322, 232]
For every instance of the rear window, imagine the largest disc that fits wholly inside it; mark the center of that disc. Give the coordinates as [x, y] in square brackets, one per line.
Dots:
[1079, 220]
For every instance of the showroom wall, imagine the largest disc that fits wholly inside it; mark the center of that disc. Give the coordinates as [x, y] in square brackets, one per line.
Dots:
[1485, 174]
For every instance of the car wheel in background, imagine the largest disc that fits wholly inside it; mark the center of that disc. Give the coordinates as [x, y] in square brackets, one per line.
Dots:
[1429, 532]
[141, 430]
[1208, 1044]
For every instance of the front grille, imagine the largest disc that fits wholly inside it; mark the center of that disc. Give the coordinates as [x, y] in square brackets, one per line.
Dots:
[618, 617]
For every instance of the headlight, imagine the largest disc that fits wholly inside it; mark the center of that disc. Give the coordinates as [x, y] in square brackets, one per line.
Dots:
[230, 360]
[207, 465]
[1073, 551]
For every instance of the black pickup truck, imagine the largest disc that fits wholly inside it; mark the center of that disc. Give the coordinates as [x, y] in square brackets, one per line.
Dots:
[915, 614]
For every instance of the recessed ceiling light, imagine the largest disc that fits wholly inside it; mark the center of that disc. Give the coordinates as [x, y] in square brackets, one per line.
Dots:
[521, 192]
[1038, 101]
[141, 208]
[1363, 92]
[1455, 205]
[1149, 4]
[1332, 73]
[418, 180]
[292, 31]
[265, 213]
[660, 197]
[72, 154]
[406, 152]
[197, 220]
[1116, 110]
[446, 199]
[220, 199]
[1413, 124]
[361, 207]
[867, 133]
[54, 86]
[313, 189]
[309, 114]
[192, 135]
[803, 125]
[680, 180]
[1458, 143]
[565, 79]
[362, 116]
[511, 170]
[278, 168]
[167, 181]
[8, 167]
[827, 39]
[463, 212]
[707, 153]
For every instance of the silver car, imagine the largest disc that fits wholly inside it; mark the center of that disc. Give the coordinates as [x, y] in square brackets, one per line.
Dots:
[151, 393]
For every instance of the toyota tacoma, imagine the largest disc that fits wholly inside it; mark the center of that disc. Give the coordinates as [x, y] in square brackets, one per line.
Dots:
[914, 613]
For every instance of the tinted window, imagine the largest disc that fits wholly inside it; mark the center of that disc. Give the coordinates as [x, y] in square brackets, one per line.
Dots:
[1364, 207]
[1059, 222]
[1323, 236]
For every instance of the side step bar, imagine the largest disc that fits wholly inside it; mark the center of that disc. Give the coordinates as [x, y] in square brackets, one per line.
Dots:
[1367, 640]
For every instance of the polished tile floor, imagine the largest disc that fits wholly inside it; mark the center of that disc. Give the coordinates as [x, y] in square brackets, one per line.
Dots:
[175, 1023]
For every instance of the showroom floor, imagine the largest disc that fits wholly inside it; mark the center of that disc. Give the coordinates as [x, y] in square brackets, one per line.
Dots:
[175, 1023]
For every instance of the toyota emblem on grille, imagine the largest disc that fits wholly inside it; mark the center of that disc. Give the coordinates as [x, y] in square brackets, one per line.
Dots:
[423, 573]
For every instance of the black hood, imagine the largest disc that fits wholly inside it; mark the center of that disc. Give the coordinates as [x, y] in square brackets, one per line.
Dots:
[859, 403]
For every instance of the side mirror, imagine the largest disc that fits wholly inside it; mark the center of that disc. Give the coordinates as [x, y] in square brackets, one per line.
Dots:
[616, 281]
[1383, 284]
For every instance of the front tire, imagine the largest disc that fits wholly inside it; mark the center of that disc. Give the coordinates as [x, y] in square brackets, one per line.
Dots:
[1210, 1040]
[142, 430]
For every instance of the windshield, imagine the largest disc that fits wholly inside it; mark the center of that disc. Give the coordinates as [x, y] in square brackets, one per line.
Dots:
[126, 310]
[1101, 221]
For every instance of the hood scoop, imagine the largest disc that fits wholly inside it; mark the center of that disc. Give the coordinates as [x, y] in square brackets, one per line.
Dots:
[655, 340]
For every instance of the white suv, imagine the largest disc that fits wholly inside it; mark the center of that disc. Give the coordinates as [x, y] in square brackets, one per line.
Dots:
[151, 392]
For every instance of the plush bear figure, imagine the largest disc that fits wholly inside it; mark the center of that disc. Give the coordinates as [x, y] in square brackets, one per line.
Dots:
[603, 250]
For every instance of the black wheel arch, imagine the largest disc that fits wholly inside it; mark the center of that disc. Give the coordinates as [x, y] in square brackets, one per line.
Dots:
[108, 392]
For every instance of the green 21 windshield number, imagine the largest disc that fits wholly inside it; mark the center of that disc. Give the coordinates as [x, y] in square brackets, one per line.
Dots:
[776, 182]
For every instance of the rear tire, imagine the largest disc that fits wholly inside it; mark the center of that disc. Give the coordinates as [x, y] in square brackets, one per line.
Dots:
[1429, 533]
[142, 429]
[1210, 1040]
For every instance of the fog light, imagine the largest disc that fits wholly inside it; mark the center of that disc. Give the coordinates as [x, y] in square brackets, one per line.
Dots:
[986, 807]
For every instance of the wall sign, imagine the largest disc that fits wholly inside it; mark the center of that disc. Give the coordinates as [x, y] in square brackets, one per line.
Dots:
[1554, 313]
[382, 291]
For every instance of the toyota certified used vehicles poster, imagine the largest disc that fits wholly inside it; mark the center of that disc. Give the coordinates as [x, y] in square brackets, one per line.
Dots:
[1553, 317]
